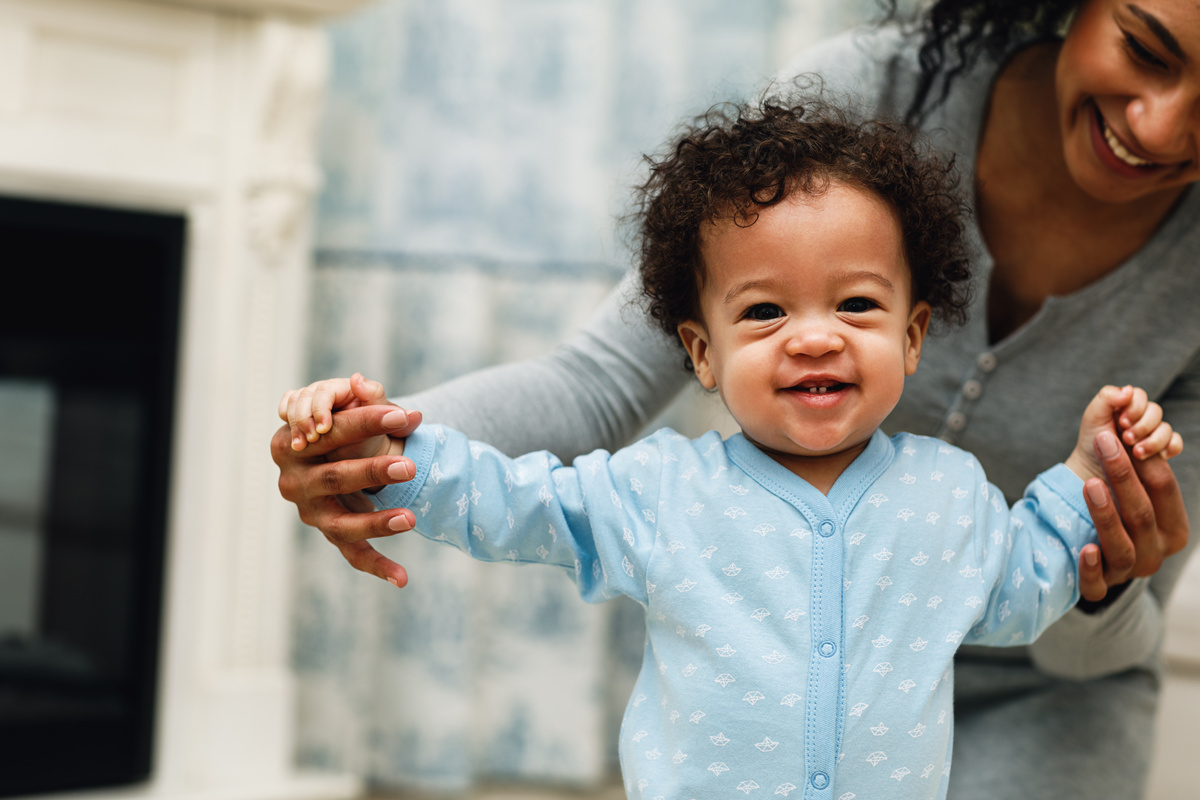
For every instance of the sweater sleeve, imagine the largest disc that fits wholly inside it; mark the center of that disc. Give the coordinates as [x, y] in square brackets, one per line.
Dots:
[871, 69]
[596, 390]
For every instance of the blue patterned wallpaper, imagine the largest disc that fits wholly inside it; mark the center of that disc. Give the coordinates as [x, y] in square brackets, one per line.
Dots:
[476, 154]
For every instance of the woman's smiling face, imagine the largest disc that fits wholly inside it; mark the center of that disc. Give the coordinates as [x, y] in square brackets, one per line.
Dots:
[1128, 87]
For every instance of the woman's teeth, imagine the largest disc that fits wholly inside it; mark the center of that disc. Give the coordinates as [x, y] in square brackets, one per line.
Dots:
[1119, 150]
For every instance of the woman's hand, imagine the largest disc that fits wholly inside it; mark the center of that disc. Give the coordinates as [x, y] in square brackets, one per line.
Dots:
[328, 492]
[1146, 523]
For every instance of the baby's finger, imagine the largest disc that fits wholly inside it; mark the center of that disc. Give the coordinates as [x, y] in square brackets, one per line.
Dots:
[299, 416]
[1158, 441]
[1175, 448]
[300, 413]
[366, 390]
[298, 437]
[1134, 409]
[323, 399]
[283, 404]
[1114, 397]
[286, 403]
[1152, 417]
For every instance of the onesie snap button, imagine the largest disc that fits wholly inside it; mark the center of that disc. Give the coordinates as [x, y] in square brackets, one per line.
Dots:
[956, 421]
[972, 389]
[819, 780]
[827, 649]
[986, 362]
[826, 529]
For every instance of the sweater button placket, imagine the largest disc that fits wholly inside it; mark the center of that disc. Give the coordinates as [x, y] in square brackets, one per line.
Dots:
[971, 390]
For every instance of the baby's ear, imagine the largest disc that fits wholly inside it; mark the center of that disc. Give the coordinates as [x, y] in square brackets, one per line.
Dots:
[695, 341]
[918, 326]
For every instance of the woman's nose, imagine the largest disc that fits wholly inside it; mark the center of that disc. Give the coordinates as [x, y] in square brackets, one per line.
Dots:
[1166, 123]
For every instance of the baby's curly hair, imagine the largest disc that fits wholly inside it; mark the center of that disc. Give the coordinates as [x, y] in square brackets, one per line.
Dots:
[738, 158]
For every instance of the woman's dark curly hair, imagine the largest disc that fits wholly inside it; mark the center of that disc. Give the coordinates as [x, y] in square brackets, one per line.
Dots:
[736, 159]
[955, 32]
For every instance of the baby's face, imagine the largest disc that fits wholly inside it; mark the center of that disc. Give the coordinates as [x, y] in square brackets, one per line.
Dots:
[808, 323]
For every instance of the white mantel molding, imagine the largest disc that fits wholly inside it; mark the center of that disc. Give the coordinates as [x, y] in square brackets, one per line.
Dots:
[318, 8]
[206, 108]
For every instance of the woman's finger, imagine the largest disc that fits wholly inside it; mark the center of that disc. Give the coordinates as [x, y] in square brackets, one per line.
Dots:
[1166, 501]
[1118, 550]
[1092, 585]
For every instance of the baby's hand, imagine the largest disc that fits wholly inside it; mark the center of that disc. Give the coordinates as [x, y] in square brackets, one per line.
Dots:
[309, 411]
[1129, 414]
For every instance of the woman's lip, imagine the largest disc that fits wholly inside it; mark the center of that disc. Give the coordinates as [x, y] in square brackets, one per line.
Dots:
[1103, 140]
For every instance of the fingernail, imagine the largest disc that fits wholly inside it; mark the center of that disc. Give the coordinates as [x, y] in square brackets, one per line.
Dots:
[398, 471]
[392, 581]
[1107, 444]
[1096, 493]
[398, 523]
[1091, 557]
[394, 420]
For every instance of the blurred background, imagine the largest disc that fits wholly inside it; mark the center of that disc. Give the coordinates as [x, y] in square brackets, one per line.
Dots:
[464, 163]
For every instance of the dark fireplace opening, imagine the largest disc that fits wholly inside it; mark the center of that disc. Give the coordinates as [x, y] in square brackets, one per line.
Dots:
[88, 350]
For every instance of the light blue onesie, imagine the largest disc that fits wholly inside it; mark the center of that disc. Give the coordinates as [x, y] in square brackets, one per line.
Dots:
[797, 644]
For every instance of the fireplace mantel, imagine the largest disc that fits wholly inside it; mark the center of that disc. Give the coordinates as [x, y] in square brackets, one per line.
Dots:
[301, 8]
[206, 108]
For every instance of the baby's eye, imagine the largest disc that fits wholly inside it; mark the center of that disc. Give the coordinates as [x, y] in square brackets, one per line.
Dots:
[857, 305]
[762, 312]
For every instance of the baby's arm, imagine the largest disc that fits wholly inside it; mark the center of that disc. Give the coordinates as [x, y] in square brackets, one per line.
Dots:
[1116, 414]
[309, 413]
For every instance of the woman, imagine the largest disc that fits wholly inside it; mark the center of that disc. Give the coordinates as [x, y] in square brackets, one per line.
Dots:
[1081, 152]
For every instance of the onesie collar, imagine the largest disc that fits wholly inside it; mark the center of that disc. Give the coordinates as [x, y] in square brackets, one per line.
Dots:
[843, 495]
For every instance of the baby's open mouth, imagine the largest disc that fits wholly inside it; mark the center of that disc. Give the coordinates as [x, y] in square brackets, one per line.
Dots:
[819, 387]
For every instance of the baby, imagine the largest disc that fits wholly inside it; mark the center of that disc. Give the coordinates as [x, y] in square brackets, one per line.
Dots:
[807, 581]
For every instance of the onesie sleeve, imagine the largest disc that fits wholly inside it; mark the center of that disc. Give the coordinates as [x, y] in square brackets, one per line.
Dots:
[595, 519]
[1029, 556]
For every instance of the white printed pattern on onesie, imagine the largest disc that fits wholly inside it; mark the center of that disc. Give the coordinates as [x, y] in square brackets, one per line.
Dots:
[798, 645]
